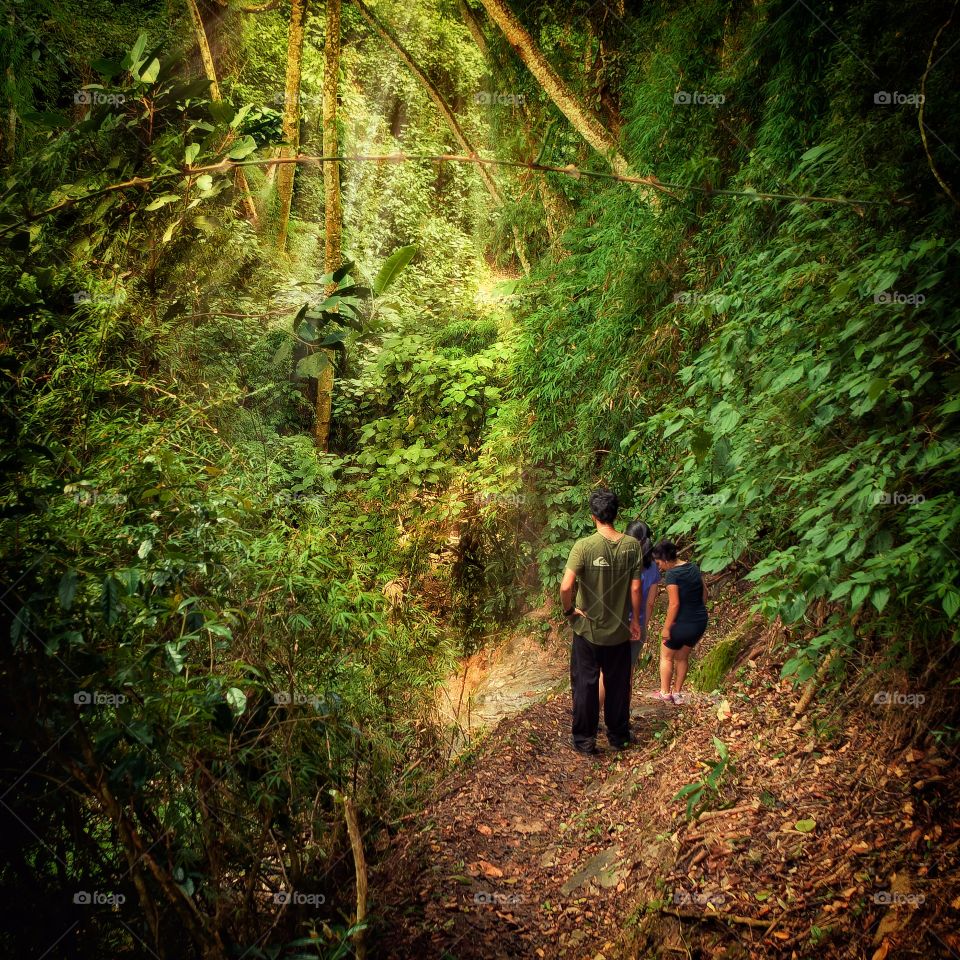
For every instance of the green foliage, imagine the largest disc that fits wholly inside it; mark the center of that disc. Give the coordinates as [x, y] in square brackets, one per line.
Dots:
[414, 413]
[698, 792]
[470, 335]
[196, 623]
[771, 382]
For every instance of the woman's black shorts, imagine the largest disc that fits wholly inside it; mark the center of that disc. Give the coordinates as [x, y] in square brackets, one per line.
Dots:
[685, 635]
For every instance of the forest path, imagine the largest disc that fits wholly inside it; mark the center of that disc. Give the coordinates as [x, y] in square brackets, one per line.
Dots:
[528, 849]
[518, 857]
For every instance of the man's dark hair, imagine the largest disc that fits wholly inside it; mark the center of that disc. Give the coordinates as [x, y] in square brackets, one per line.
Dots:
[604, 505]
[665, 550]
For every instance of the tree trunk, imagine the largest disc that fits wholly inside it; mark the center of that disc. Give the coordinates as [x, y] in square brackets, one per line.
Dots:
[476, 30]
[209, 68]
[291, 116]
[446, 112]
[360, 870]
[11, 145]
[555, 207]
[332, 203]
[566, 101]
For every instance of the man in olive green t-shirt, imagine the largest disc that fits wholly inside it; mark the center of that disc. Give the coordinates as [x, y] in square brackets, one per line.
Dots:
[606, 570]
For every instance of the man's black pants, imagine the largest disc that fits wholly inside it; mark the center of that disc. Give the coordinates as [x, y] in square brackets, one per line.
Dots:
[587, 662]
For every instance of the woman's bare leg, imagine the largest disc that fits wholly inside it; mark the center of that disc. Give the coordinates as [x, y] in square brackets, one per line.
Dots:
[681, 659]
[666, 668]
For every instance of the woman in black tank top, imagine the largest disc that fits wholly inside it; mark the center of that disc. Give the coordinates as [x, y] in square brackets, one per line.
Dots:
[686, 618]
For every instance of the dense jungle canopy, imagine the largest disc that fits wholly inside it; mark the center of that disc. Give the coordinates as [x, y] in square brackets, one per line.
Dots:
[321, 320]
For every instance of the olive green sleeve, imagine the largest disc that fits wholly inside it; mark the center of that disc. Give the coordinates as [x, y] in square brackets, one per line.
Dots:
[575, 560]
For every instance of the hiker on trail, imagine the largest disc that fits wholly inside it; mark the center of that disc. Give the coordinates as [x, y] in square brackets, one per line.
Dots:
[648, 594]
[605, 570]
[686, 618]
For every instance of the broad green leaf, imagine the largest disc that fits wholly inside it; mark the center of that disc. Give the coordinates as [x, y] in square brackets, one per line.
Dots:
[242, 148]
[951, 602]
[341, 272]
[67, 589]
[879, 598]
[109, 599]
[392, 267]
[107, 68]
[176, 655]
[313, 365]
[149, 75]
[237, 700]
[134, 55]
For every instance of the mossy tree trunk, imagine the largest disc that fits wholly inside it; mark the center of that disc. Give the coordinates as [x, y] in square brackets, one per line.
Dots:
[291, 116]
[332, 203]
[565, 100]
[210, 70]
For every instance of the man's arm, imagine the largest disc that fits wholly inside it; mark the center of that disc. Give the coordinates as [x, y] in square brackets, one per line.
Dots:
[636, 598]
[567, 588]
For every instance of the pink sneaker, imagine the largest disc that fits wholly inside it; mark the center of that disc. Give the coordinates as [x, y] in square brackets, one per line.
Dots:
[666, 697]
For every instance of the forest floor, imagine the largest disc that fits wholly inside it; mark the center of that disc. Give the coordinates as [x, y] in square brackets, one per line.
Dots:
[830, 835]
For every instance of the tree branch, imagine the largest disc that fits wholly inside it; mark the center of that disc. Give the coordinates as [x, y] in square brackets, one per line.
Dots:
[570, 170]
[923, 102]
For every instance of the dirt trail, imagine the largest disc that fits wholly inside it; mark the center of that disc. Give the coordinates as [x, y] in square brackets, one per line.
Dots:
[530, 850]
[501, 866]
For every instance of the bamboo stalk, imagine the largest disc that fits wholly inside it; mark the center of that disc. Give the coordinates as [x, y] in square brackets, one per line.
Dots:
[360, 869]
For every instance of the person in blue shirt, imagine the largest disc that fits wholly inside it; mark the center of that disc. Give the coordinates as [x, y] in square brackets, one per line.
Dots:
[649, 586]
